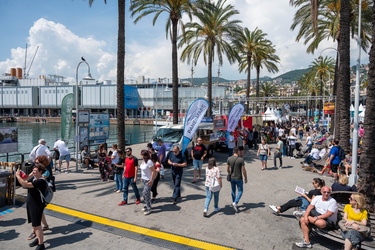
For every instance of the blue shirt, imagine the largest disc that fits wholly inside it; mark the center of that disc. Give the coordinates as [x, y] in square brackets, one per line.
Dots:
[335, 151]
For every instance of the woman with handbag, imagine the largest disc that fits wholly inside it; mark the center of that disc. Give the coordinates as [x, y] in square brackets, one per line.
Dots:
[353, 227]
[213, 185]
[263, 153]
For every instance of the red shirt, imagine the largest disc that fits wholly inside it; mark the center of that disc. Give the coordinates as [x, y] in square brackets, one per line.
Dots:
[130, 164]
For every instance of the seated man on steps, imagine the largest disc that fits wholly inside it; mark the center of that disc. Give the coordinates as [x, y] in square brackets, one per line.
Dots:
[322, 212]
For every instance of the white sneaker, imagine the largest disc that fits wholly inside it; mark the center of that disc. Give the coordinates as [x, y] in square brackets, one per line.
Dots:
[274, 208]
[298, 214]
[292, 158]
[217, 209]
[205, 213]
[234, 205]
[280, 166]
[147, 212]
[303, 244]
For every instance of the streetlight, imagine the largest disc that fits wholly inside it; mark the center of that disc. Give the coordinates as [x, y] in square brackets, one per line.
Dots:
[353, 176]
[87, 77]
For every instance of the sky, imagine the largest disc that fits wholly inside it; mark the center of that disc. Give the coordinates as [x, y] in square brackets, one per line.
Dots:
[66, 30]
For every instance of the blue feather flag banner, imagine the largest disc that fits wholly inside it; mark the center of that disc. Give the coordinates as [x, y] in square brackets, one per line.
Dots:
[193, 118]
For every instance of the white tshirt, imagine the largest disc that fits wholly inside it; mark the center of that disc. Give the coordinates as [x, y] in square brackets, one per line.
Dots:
[40, 150]
[292, 140]
[323, 206]
[293, 131]
[322, 152]
[315, 153]
[61, 146]
[231, 141]
[309, 140]
[281, 132]
[115, 160]
[146, 171]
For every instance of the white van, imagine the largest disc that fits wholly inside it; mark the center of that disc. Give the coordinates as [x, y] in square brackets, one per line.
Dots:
[173, 134]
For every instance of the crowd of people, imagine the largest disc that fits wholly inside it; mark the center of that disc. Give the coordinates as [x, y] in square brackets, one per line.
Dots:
[315, 207]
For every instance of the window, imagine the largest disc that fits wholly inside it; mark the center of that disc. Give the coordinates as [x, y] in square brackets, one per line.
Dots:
[58, 91]
[45, 91]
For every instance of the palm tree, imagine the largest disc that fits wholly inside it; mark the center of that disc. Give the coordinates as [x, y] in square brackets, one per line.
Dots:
[322, 68]
[175, 9]
[267, 59]
[212, 32]
[366, 181]
[120, 73]
[247, 44]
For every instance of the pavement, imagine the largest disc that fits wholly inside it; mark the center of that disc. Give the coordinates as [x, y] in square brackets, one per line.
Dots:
[84, 213]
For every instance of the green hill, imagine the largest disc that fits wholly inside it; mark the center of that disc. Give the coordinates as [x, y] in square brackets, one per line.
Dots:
[293, 75]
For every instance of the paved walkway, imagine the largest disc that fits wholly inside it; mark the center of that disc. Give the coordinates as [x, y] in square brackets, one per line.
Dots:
[253, 227]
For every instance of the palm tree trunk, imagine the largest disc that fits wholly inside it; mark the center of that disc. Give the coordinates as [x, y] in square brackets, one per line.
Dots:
[366, 182]
[321, 94]
[343, 88]
[257, 80]
[248, 84]
[334, 93]
[209, 80]
[121, 75]
[174, 71]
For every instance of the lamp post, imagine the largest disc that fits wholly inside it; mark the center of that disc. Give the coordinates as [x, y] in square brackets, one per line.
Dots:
[87, 77]
[156, 106]
[353, 176]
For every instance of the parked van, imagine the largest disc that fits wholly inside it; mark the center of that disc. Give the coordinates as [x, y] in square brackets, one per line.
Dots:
[173, 134]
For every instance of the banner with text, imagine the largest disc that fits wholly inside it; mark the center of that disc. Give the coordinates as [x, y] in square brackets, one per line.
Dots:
[67, 105]
[234, 116]
[194, 116]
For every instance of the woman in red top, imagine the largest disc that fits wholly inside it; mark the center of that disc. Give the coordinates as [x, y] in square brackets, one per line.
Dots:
[157, 165]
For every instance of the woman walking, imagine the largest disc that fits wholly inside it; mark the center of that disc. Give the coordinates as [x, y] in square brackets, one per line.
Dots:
[34, 204]
[148, 174]
[263, 153]
[213, 185]
[157, 165]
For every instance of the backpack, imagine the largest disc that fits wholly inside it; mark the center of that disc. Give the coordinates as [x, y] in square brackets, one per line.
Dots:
[48, 194]
[341, 154]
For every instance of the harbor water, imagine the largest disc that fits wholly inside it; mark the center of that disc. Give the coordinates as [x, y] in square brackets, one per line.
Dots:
[30, 133]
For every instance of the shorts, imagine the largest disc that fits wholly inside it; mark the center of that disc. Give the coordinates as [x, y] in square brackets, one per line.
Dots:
[241, 148]
[197, 164]
[334, 167]
[263, 157]
[330, 225]
[64, 157]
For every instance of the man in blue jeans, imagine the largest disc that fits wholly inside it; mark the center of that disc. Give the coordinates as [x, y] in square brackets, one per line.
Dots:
[130, 177]
[177, 161]
[198, 152]
[236, 168]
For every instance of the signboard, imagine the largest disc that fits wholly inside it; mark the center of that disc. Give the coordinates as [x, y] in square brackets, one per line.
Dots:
[67, 105]
[83, 136]
[329, 108]
[99, 127]
[83, 116]
[8, 140]
[219, 123]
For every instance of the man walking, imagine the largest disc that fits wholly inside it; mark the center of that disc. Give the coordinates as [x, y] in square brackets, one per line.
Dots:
[334, 158]
[277, 153]
[231, 143]
[162, 156]
[177, 161]
[130, 177]
[236, 169]
[322, 212]
[40, 149]
[198, 152]
[64, 153]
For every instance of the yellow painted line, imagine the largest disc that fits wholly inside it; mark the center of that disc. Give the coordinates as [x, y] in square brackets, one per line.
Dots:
[136, 229]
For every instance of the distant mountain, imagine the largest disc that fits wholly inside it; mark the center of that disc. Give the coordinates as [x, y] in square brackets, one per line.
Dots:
[293, 75]
[200, 80]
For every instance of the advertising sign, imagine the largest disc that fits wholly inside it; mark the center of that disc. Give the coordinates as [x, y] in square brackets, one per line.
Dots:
[194, 116]
[99, 127]
[83, 116]
[67, 105]
[329, 108]
[8, 140]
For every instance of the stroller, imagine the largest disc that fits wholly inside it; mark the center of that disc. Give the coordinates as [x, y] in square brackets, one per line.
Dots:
[300, 152]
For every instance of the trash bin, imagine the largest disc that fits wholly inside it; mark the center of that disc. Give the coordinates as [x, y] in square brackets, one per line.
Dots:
[4, 175]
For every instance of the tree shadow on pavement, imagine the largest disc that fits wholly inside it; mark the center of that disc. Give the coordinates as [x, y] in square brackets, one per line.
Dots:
[68, 239]
[13, 222]
[9, 235]
[246, 206]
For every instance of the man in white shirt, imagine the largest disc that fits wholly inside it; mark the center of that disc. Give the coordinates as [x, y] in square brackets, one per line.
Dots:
[40, 149]
[322, 212]
[64, 153]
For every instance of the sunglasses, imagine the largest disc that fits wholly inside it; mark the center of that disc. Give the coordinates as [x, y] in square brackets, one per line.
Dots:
[326, 192]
